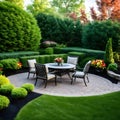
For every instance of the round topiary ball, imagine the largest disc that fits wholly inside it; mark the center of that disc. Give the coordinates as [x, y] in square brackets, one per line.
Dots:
[19, 93]
[18, 29]
[4, 102]
[28, 86]
[4, 80]
[6, 89]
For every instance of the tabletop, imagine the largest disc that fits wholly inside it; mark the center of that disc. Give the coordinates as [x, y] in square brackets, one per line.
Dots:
[63, 66]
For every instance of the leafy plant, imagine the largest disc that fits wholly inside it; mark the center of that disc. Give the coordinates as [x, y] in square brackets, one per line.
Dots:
[6, 89]
[4, 102]
[4, 80]
[28, 86]
[112, 66]
[19, 93]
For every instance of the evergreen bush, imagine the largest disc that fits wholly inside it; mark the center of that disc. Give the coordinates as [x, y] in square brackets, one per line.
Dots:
[96, 34]
[18, 29]
[4, 80]
[108, 58]
[17, 93]
[112, 66]
[4, 102]
[28, 86]
[49, 51]
[6, 89]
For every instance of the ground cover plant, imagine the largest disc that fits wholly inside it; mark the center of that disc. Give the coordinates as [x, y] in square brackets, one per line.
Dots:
[102, 107]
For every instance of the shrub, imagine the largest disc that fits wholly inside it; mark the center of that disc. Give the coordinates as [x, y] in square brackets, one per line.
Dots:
[109, 52]
[96, 34]
[1, 68]
[116, 57]
[6, 89]
[4, 102]
[112, 66]
[18, 29]
[49, 51]
[11, 63]
[28, 86]
[4, 80]
[19, 93]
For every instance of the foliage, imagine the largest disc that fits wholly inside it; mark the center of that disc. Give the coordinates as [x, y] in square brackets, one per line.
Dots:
[1, 68]
[109, 52]
[6, 89]
[28, 86]
[116, 56]
[98, 64]
[19, 3]
[11, 63]
[19, 93]
[96, 34]
[65, 7]
[108, 9]
[49, 51]
[112, 66]
[4, 102]
[18, 29]
[62, 31]
[4, 80]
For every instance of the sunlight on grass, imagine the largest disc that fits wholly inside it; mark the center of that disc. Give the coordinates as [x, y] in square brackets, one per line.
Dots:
[103, 107]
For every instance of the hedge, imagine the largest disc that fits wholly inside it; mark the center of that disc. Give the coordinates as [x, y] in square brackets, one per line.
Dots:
[42, 58]
[98, 54]
[18, 54]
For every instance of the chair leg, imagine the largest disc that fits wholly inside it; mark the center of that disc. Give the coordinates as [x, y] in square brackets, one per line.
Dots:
[87, 78]
[84, 81]
[55, 80]
[35, 82]
[45, 83]
[73, 79]
[28, 75]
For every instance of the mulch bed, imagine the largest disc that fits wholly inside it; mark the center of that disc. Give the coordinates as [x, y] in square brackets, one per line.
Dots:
[15, 105]
[10, 112]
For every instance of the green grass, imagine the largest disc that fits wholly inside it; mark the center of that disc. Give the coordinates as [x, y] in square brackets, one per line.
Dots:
[102, 107]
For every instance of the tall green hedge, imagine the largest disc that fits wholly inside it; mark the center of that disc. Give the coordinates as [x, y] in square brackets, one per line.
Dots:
[96, 34]
[62, 31]
[18, 29]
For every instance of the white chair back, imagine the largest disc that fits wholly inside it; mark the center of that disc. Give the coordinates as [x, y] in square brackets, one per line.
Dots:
[72, 60]
[31, 63]
[87, 66]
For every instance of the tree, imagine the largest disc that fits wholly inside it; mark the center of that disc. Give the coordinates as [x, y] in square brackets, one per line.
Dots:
[109, 52]
[108, 9]
[39, 6]
[19, 3]
[67, 6]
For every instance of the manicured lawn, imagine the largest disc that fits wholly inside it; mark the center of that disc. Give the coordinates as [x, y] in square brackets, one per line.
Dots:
[103, 107]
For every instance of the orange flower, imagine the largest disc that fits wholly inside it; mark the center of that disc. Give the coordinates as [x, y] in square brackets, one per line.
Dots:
[59, 60]
[19, 65]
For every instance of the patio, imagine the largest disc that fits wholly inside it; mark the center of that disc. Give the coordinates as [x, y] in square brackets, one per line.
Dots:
[97, 85]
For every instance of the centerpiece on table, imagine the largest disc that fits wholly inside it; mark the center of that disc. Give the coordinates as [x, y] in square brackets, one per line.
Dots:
[59, 61]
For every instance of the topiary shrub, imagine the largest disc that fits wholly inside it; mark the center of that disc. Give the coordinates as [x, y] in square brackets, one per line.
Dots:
[4, 102]
[4, 80]
[6, 89]
[109, 52]
[28, 86]
[18, 29]
[19, 93]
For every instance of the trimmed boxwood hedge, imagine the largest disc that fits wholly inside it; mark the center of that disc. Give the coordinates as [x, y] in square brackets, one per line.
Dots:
[17, 54]
[18, 29]
[42, 58]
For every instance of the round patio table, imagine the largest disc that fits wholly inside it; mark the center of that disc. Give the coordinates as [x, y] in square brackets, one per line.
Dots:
[60, 70]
